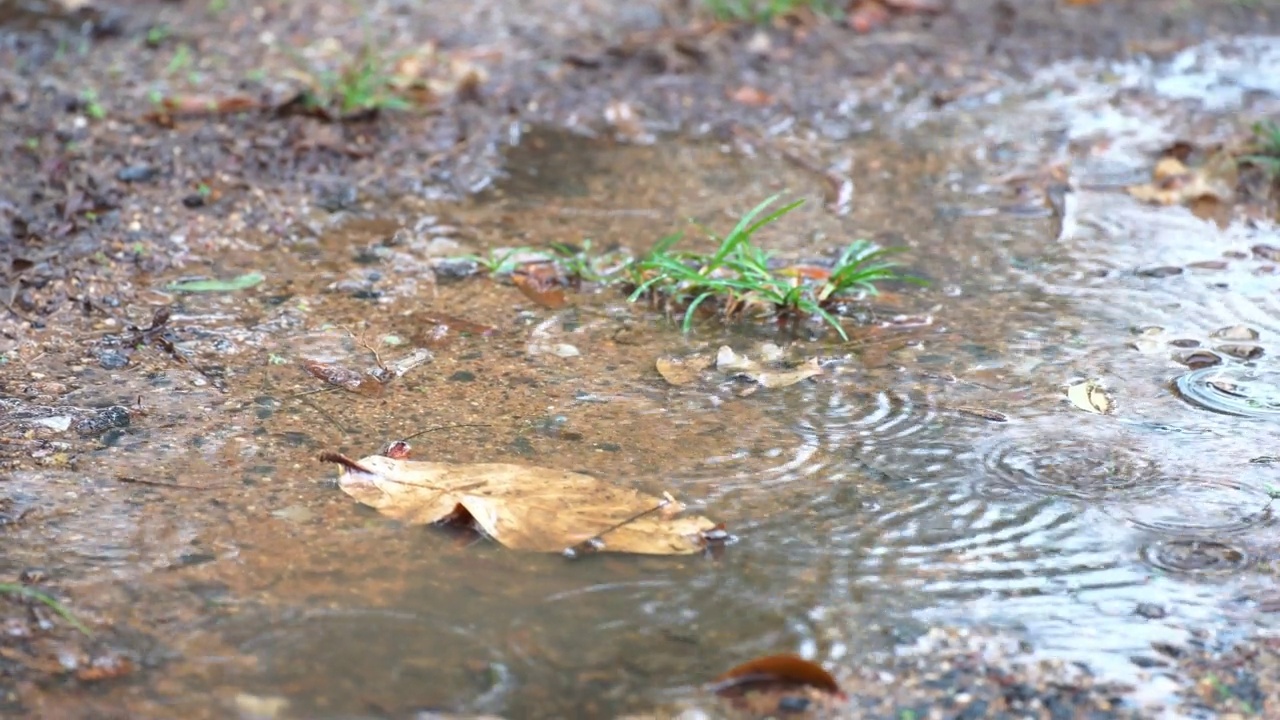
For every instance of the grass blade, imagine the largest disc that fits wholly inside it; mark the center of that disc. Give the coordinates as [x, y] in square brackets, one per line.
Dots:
[47, 600]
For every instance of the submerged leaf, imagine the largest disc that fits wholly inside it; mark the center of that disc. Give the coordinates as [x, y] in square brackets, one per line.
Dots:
[788, 669]
[729, 361]
[523, 507]
[541, 284]
[347, 379]
[243, 282]
[685, 370]
[1090, 396]
[768, 377]
[788, 376]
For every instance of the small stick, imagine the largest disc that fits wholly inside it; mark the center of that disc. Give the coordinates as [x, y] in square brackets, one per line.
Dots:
[345, 461]
[444, 427]
[157, 483]
[365, 344]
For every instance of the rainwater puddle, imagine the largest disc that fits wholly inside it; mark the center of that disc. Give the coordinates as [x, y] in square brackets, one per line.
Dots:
[934, 474]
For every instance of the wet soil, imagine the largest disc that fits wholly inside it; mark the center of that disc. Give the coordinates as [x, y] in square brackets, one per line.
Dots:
[161, 478]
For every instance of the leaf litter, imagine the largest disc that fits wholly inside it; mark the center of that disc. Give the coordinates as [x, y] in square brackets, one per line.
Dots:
[1090, 396]
[766, 684]
[525, 508]
[769, 371]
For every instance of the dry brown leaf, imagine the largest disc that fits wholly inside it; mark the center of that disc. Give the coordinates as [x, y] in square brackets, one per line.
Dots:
[1173, 183]
[1090, 396]
[345, 378]
[524, 507]
[786, 668]
[685, 370]
[540, 283]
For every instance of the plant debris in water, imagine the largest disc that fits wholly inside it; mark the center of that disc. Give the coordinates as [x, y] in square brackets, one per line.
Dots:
[522, 507]
[1090, 396]
[770, 371]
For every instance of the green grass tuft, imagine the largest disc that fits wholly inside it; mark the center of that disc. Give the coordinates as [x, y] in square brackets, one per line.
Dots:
[1266, 148]
[738, 278]
[765, 11]
[740, 275]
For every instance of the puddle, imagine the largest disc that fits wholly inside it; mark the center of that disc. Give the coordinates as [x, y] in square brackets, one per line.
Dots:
[871, 502]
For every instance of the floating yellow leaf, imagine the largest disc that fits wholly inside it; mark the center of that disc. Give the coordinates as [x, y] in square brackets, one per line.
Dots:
[1090, 396]
[525, 508]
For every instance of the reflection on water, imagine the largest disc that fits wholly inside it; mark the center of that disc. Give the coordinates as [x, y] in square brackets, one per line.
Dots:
[866, 505]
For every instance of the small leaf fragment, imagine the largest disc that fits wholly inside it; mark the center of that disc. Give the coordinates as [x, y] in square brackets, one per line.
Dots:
[350, 380]
[790, 376]
[683, 370]
[1090, 396]
[243, 282]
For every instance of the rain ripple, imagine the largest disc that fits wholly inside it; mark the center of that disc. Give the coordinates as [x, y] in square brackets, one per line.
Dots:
[1195, 557]
[1232, 390]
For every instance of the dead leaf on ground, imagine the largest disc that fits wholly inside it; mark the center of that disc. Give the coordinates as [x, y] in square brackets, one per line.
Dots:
[1090, 396]
[685, 370]
[541, 283]
[1173, 183]
[523, 507]
[776, 673]
[867, 15]
[169, 109]
[770, 375]
[345, 378]
[626, 122]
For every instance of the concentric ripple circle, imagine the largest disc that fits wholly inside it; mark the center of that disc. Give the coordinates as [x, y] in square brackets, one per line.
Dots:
[1071, 468]
[1199, 506]
[1232, 390]
[1201, 557]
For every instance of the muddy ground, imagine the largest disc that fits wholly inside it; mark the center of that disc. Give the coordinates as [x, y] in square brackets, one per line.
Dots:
[108, 194]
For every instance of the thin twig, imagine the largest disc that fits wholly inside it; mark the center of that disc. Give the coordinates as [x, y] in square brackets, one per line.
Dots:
[327, 416]
[157, 483]
[445, 427]
[343, 460]
[365, 344]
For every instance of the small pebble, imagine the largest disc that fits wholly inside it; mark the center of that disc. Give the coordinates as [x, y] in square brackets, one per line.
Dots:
[1151, 611]
[136, 173]
[112, 360]
[1236, 332]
